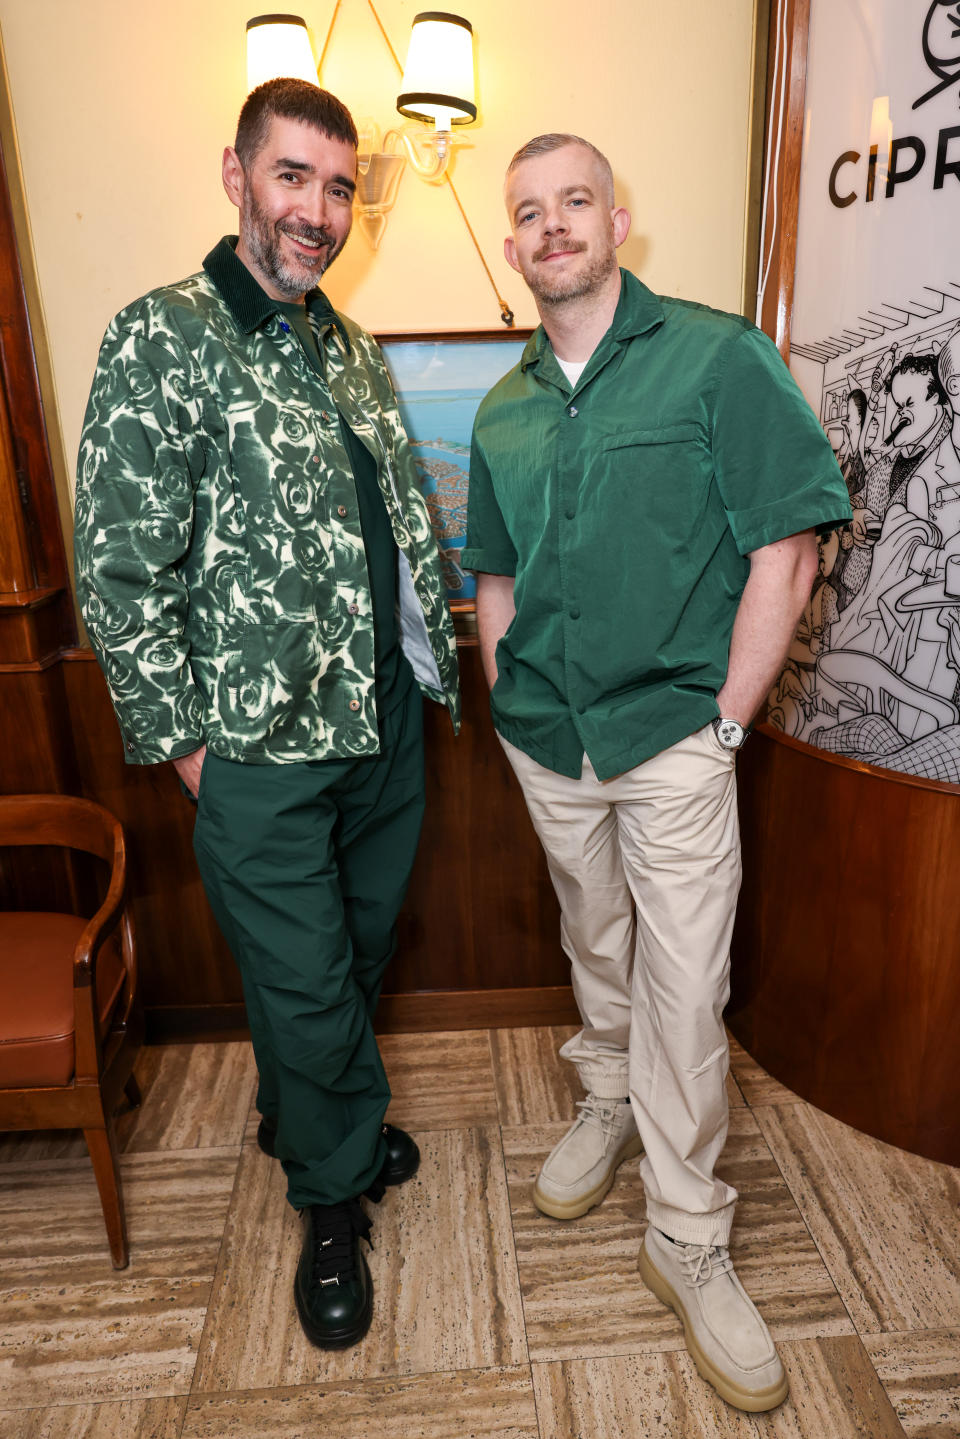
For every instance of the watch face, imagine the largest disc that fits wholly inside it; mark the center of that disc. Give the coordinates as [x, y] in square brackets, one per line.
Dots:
[730, 734]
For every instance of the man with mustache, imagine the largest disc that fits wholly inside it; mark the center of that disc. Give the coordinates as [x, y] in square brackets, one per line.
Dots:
[261, 584]
[644, 490]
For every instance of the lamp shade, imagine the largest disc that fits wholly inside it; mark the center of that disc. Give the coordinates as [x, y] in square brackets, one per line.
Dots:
[279, 45]
[437, 83]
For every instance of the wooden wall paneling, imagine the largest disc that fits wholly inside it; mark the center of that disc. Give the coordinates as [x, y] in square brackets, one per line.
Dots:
[481, 912]
[184, 960]
[39, 513]
[845, 982]
[479, 935]
[786, 87]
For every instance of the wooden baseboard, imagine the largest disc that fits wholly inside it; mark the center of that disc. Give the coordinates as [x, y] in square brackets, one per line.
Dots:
[396, 1014]
[475, 1009]
[195, 1023]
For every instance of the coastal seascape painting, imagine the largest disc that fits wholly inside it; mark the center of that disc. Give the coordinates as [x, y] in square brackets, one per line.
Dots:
[440, 381]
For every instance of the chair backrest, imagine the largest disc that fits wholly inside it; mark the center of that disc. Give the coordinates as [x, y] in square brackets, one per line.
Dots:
[61, 819]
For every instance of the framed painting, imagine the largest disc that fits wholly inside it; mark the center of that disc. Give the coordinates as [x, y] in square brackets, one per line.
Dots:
[440, 379]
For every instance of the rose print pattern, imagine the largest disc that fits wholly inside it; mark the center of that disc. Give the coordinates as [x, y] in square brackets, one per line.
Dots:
[221, 568]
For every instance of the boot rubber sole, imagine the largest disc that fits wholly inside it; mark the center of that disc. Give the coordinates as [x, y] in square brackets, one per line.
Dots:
[335, 1338]
[573, 1208]
[753, 1401]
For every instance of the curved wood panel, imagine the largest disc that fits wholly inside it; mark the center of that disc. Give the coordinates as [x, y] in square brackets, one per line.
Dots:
[846, 954]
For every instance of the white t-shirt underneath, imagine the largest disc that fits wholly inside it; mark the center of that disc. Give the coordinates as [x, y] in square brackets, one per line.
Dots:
[573, 369]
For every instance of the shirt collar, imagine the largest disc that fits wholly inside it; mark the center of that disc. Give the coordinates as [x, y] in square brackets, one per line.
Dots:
[250, 304]
[638, 310]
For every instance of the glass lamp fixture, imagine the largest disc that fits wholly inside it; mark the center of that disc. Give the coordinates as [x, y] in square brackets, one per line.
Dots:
[279, 45]
[437, 88]
[379, 170]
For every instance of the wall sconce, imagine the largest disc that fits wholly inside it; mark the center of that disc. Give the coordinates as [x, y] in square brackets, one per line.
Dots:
[436, 90]
[279, 45]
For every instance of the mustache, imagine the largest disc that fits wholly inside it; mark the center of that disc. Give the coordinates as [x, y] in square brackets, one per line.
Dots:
[315, 235]
[572, 247]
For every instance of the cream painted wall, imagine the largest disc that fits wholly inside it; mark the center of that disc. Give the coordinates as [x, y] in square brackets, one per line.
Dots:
[122, 111]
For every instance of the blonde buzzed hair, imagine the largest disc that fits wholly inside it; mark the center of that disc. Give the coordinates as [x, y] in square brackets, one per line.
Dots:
[544, 144]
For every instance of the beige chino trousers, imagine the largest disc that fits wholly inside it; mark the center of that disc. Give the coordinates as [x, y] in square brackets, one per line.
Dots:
[646, 867]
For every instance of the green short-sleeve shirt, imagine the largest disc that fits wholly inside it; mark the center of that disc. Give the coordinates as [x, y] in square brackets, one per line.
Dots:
[626, 509]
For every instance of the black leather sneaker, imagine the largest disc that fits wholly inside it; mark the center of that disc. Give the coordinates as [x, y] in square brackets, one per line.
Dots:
[333, 1290]
[403, 1156]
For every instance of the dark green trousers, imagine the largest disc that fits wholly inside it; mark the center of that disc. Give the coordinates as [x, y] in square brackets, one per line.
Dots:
[306, 866]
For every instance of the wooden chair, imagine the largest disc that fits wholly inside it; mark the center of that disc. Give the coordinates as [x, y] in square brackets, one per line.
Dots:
[70, 1024]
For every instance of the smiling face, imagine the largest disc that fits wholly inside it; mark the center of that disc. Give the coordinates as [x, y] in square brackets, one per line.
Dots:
[565, 226]
[295, 200]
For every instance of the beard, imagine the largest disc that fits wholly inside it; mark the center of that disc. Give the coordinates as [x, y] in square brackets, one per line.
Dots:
[292, 277]
[560, 289]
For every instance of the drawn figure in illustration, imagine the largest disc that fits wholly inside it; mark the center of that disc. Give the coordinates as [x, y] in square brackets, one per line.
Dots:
[897, 616]
[916, 424]
[820, 611]
[941, 46]
[850, 456]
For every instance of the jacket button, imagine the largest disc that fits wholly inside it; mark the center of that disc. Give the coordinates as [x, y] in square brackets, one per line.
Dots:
[353, 609]
[354, 704]
[129, 748]
[573, 412]
[574, 614]
[341, 510]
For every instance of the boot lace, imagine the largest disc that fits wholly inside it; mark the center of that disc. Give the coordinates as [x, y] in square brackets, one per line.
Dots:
[603, 1114]
[700, 1262]
[336, 1227]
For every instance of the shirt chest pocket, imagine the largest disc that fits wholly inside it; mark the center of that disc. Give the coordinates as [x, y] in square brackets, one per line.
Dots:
[662, 477]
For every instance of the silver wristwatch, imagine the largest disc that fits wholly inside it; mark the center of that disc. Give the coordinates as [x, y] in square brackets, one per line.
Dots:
[729, 732]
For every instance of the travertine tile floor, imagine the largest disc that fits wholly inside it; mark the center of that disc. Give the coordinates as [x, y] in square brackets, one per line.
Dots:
[491, 1320]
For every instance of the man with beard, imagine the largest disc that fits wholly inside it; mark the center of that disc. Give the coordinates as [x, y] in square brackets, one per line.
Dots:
[261, 584]
[644, 490]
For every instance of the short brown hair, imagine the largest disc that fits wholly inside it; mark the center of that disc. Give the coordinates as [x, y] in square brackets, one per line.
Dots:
[557, 140]
[291, 100]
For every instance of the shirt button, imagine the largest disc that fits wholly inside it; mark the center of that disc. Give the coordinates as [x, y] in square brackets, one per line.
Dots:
[353, 609]
[571, 514]
[574, 614]
[354, 704]
[341, 510]
[573, 412]
[316, 459]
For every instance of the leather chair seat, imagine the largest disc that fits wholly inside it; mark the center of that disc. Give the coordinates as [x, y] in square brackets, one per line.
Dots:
[36, 981]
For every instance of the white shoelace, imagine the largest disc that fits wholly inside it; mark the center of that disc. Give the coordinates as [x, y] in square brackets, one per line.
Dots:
[700, 1262]
[603, 1114]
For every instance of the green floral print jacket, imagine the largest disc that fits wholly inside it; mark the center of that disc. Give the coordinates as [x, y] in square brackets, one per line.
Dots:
[220, 563]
